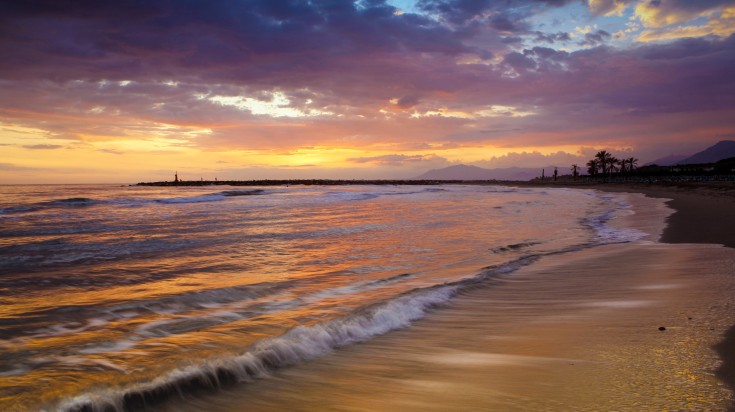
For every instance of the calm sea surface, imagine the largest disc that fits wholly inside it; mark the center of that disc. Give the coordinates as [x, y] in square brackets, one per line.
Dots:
[118, 297]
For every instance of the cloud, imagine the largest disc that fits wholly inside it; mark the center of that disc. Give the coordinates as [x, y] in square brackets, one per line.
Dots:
[111, 151]
[462, 11]
[659, 13]
[43, 146]
[608, 7]
[266, 77]
[241, 41]
[275, 105]
[11, 167]
[537, 159]
[718, 22]
[595, 39]
[400, 160]
[552, 38]
[408, 101]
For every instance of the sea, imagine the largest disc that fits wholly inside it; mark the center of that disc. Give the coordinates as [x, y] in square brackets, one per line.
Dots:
[119, 298]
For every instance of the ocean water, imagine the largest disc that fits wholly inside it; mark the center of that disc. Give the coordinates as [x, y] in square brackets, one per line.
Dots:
[127, 298]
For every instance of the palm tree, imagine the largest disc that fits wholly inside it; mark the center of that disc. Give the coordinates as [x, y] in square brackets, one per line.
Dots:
[592, 167]
[632, 163]
[574, 171]
[613, 163]
[623, 163]
[603, 159]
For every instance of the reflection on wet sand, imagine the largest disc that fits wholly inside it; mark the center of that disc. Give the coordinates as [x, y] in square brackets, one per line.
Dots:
[569, 333]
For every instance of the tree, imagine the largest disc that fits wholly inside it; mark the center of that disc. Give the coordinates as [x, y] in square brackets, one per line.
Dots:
[613, 163]
[632, 163]
[592, 167]
[575, 172]
[603, 160]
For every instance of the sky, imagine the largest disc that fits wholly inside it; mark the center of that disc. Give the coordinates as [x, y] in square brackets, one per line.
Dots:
[131, 91]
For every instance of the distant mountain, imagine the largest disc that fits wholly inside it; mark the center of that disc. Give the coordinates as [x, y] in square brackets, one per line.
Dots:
[721, 150]
[669, 160]
[465, 172]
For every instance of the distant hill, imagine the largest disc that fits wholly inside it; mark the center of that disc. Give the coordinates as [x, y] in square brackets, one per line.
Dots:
[721, 150]
[466, 172]
[669, 160]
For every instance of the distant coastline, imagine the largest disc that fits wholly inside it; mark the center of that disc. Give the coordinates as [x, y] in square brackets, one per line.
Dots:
[318, 182]
[720, 171]
[562, 181]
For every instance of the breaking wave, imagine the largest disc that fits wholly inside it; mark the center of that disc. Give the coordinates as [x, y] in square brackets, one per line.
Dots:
[212, 197]
[298, 345]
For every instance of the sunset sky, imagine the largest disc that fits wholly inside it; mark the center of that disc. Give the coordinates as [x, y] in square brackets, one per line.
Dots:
[129, 91]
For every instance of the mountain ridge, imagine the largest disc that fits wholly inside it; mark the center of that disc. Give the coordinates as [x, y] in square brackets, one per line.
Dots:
[471, 172]
[721, 150]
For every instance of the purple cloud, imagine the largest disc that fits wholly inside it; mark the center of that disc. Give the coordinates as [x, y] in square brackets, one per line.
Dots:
[595, 38]
[552, 38]
[122, 69]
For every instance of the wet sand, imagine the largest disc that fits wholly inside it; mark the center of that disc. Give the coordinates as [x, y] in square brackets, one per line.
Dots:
[578, 331]
[704, 213]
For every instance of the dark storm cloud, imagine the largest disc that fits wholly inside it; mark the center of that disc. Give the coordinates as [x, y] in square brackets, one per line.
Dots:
[242, 40]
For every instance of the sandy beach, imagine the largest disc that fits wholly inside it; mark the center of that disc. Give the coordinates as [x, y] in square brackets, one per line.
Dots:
[625, 327]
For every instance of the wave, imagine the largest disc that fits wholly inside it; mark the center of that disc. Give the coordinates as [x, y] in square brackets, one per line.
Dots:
[86, 202]
[299, 344]
[608, 234]
[243, 192]
[68, 202]
[304, 343]
[18, 209]
[389, 280]
[513, 247]
[212, 197]
[74, 201]
[357, 196]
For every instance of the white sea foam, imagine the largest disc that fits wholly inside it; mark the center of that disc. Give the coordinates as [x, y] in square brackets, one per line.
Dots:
[601, 223]
[299, 344]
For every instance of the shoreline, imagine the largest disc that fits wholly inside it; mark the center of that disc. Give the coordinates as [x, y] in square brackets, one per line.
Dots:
[703, 214]
[577, 331]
